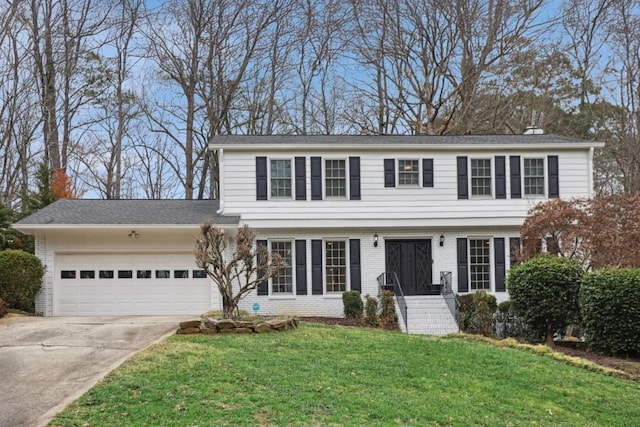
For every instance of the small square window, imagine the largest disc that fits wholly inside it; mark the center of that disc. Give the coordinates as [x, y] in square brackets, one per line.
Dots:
[125, 274]
[198, 274]
[180, 274]
[87, 274]
[143, 274]
[105, 274]
[163, 274]
[68, 274]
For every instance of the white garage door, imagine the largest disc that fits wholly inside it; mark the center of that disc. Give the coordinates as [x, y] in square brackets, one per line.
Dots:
[129, 284]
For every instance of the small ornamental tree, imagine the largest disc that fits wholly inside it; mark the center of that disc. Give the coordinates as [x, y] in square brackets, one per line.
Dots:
[237, 272]
[544, 291]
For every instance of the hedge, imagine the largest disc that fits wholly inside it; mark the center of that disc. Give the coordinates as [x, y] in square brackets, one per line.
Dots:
[610, 306]
[20, 278]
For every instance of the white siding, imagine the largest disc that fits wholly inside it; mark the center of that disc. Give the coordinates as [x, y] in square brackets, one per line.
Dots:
[388, 206]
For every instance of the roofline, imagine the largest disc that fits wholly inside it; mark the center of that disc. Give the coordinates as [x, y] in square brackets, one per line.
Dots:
[52, 227]
[378, 147]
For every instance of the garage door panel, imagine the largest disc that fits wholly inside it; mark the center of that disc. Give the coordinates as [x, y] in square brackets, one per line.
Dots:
[110, 294]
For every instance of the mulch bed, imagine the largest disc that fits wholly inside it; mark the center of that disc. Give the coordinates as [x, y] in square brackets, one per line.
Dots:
[629, 365]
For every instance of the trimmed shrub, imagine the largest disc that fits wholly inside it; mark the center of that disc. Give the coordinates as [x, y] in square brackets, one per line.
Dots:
[21, 278]
[610, 307]
[353, 305]
[388, 307]
[475, 312]
[544, 291]
[371, 311]
[506, 323]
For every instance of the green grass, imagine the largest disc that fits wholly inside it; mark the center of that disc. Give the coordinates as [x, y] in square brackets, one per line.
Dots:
[322, 375]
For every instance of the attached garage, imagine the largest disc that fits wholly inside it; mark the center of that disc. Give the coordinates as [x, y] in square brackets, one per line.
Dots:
[123, 257]
[107, 284]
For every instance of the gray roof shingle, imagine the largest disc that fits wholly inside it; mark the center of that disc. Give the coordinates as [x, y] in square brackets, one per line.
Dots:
[365, 140]
[128, 212]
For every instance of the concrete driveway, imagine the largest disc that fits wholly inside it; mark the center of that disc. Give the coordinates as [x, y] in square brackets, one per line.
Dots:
[48, 362]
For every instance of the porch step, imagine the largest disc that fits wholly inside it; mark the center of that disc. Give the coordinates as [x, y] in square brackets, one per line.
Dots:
[428, 315]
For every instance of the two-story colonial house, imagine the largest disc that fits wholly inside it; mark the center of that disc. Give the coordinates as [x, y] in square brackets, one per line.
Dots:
[345, 212]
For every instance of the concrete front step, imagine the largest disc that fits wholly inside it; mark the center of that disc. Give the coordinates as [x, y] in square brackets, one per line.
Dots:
[429, 315]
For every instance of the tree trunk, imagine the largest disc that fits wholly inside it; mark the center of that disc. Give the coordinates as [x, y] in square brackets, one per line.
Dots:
[548, 339]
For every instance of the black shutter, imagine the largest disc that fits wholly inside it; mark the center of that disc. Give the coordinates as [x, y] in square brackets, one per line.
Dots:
[354, 178]
[463, 180]
[261, 178]
[354, 262]
[427, 172]
[389, 172]
[316, 178]
[263, 287]
[316, 267]
[463, 275]
[301, 178]
[554, 182]
[500, 267]
[514, 169]
[501, 178]
[514, 250]
[301, 267]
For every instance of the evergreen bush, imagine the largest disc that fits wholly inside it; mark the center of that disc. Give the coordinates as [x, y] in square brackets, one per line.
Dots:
[544, 291]
[610, 307]
[353, 305]
[371, 311]
[20, 278]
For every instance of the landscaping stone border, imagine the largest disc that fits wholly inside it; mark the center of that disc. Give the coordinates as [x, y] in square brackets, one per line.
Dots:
[209, 326]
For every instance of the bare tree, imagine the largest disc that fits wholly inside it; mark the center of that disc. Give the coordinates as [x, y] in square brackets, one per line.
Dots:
[236, 274]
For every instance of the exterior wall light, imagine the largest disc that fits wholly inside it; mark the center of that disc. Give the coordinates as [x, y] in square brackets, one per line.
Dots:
[375, 240]
[442, 240]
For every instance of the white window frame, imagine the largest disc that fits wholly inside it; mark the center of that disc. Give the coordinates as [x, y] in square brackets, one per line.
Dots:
[325, 266]
[291, 175]
[490, 266]
[290, 267]
[399, 171]
[491, 178]
[346, 178]
[545, 173]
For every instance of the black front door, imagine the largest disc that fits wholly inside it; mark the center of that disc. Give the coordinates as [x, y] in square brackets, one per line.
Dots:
[411, 261]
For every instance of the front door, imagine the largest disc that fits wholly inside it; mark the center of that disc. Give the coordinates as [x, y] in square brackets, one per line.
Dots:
[411, 261]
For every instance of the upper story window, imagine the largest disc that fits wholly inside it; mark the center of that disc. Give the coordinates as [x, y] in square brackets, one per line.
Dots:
[481, 177]
[281, 178]
[479, 264]
[335, 175]
[408, 172]
[336, 265]
[283, 281]
[534, 177]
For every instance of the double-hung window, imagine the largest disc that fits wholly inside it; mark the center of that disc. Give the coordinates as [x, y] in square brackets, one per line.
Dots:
[534, 177]
[480, 177]
[408, 172]
[335, 175]
[280, 178]
[479, 264]
[336, 265]
[282, 282]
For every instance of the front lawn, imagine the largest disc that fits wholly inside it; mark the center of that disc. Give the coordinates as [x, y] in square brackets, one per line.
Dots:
[327, 375]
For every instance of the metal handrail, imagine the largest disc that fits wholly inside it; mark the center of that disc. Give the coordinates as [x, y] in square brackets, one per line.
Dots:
[448, 295]
[390, 279]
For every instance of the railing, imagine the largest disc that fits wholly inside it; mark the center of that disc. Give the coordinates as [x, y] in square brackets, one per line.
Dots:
[389, 281]
[448, 295]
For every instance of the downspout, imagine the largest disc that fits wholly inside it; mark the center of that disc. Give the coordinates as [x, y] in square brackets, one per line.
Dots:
[590, 168]
[220, 180]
